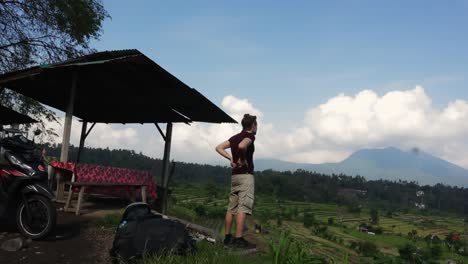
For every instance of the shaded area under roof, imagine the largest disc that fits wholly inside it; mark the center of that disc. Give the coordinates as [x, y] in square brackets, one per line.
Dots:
[116, 87]
[8, 117]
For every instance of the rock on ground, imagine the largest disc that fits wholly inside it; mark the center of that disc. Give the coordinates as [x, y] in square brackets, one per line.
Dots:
[13, 244]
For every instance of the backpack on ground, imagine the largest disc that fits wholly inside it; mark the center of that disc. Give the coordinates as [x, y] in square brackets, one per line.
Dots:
[142, 233]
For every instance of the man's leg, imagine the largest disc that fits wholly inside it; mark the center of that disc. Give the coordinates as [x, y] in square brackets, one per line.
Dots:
[228, 223]
[246, 200]
[240, 221]
[232, 209]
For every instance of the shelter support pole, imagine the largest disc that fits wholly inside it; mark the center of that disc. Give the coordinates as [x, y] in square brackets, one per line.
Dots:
[68, 119]
[66, 135]
[83, 136]
[84, 126]
[165, 166]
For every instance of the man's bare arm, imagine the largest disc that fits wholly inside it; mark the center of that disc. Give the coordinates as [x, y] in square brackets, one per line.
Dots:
[221, 149]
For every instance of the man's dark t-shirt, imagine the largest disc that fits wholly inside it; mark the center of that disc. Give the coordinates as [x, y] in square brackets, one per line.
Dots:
[235, 151]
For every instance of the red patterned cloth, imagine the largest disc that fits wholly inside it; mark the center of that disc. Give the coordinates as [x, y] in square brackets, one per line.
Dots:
[96, 173]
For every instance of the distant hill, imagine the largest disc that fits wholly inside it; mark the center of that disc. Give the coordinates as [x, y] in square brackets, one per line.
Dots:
[388, 163]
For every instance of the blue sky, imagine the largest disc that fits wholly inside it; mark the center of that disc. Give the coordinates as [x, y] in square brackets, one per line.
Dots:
[400, 65]
[286, 56]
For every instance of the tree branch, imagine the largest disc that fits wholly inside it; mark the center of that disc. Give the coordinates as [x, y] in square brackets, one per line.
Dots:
[25, 41]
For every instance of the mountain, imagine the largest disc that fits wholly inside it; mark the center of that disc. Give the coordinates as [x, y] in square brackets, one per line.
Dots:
[387, 163]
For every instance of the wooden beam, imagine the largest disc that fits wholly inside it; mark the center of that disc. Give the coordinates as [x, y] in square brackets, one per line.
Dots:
[165, 167]
[68, 119]
[160, 131]
[89, 130]
[167, 155]
[82, 140]
[66, 135]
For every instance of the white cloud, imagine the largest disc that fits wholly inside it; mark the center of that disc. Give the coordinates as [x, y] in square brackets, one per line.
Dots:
[102, 135]
[403, 119]
[329, 133]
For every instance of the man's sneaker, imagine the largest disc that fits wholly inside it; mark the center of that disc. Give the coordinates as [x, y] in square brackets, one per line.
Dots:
[228, 240]
[241, 243]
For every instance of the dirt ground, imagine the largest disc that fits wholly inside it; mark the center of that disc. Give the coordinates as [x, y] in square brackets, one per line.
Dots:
[75, 240]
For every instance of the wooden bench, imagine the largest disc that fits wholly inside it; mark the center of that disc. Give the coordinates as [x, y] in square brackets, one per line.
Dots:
[83, 185]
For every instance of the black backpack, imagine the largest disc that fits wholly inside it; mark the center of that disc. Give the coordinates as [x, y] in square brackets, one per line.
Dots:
[142, 233]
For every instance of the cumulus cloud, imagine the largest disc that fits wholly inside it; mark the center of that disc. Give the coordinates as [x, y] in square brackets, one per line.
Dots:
[102, 135]
[403, 119]
[329, 132]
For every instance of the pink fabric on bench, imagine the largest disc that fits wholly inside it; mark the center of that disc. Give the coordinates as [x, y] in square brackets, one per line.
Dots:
[96, 173]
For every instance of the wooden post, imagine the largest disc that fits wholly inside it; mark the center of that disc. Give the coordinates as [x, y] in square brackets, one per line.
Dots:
[69, 199]
[165, 167]
[68, 119]
[82, 140]
[66, 135]
[143, 194]
[80, 200]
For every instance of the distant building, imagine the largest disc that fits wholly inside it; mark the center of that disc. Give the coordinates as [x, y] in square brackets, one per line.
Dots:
[363, 229]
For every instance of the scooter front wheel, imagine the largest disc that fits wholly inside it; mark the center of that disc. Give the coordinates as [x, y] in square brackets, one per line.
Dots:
[41, 219]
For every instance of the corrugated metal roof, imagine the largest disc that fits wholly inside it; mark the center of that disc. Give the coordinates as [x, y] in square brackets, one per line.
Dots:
[116, 87]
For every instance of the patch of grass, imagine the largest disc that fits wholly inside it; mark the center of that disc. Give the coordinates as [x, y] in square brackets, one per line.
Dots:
[285, 250]
[182, 212]
[108, 221]
[206, 253]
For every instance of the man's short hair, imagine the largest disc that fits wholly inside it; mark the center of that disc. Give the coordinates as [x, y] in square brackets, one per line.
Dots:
[248, 121]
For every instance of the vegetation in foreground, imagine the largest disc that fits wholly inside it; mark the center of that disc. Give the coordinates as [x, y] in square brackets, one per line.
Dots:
[335, 219]
[332, 233]
[206, 253]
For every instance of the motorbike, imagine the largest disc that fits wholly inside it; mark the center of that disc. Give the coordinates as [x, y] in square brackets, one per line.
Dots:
[25, 196]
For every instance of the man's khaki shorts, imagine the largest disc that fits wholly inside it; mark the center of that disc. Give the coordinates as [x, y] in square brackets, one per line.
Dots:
[241, 198]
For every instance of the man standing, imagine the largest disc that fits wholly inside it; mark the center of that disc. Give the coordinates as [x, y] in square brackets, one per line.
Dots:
[241, 197]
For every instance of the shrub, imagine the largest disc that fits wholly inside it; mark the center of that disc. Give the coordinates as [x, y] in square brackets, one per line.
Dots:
[366, 248]
[308, 219]
[331, 221]
[320, 230]
[354, 208]
[200, 210]
[435, 252]
[376, 229]
[408, 252]
[279, 221]
[374, 214]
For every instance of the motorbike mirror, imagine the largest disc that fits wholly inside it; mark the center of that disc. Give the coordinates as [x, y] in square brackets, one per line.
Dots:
[37, 132]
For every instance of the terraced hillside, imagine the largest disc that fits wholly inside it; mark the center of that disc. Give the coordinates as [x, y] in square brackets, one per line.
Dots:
[334, 233]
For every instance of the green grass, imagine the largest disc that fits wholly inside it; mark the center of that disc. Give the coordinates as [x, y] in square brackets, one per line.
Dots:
[343, 232]
[108, 221]
[207, 253]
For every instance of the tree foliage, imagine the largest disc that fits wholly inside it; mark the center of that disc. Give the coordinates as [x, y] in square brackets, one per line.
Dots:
[47, 30]
[297, 186]
[40, 31]
[374, 214]
[308, 219]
